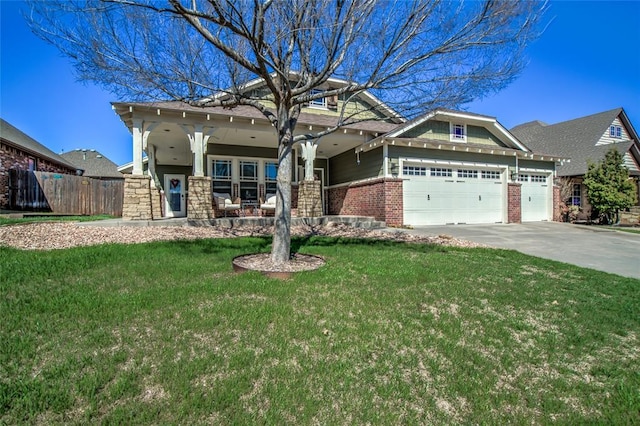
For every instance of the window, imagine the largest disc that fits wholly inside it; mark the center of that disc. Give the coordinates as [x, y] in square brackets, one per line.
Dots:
[317, 103]
[615, 131]
[414, 171]
[222, 176]
[490, 174]
[468, 174]
[249, 180]
[539, 178]
[458, 132]
[576, 196]
[438, 172]
[270, 175]
[523, 178]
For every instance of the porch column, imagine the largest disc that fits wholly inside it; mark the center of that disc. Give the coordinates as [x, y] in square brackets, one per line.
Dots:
[309, 149]
[137, 146]
[198, 140]
[198, 151]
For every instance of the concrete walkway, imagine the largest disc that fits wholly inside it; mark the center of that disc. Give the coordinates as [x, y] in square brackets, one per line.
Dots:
[616, 252]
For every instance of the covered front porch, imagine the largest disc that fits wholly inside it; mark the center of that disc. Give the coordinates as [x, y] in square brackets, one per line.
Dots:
[184, 155]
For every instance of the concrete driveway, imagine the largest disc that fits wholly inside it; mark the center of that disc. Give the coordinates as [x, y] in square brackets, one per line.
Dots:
[610, 251]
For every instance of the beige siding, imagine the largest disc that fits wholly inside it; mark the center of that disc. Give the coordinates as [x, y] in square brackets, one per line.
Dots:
[343, 168]
[630, 163]
[357, 107]
[605, 139]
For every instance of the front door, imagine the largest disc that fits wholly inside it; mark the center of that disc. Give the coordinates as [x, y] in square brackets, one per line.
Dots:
[174, 201]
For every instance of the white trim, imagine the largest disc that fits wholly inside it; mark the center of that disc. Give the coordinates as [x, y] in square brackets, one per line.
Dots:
[167, 191]
[504, 178]
[452, 133]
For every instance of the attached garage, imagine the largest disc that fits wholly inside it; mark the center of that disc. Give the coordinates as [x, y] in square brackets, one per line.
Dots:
[535, 196]
[444, 194]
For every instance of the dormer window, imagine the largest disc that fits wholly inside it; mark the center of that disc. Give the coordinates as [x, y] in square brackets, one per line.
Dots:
[458, 132]
[317, 103]
[615, 132]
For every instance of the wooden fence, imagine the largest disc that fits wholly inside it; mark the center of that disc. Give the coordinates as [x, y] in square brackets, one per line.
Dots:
[64, 194]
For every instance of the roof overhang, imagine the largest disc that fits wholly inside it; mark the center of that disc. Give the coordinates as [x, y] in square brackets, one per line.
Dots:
[458, 147]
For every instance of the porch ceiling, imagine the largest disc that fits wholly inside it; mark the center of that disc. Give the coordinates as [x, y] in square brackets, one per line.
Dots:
[172, 144]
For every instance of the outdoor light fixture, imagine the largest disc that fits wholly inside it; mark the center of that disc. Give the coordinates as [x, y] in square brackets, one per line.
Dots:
[358, 158]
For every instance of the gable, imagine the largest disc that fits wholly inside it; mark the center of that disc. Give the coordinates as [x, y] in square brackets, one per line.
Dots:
[606, 137]
[441, 131]
[362, 106]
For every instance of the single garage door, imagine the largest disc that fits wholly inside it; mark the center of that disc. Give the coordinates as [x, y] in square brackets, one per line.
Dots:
[535, 196]
[436, 195]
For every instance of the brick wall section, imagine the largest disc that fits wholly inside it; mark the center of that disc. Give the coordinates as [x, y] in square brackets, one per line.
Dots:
[137, 198]
[200, 198]
[557, 204]
[394, 207]
[379, 198]
[13, 158]
[514, 203]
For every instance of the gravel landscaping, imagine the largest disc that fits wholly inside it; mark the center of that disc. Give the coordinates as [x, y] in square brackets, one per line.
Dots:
[61, 235]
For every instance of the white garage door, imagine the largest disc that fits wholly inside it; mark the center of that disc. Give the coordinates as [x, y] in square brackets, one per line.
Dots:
[535, 196]
[440, 195]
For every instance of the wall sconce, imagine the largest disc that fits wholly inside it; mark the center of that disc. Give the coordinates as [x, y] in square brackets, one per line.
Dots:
[514, 176]
[394, 170]
[358, 158]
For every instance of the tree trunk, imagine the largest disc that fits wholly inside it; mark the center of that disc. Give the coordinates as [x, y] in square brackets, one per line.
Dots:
[281, 248]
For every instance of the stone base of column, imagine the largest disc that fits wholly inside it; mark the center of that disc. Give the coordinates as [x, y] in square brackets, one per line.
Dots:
[156, 202]
[310, 199]
[137, 198]
[200, 198]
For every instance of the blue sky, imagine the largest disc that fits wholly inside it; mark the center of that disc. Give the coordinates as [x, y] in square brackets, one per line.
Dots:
[587, 61]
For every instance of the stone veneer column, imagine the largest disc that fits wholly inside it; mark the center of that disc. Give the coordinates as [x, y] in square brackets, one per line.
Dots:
[156, 203]
[200, 198]
[514, 203]
[557, 213]
[137, 198]
[309, 199]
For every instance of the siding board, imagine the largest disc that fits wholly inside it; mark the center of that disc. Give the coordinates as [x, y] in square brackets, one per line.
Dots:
[343, 168]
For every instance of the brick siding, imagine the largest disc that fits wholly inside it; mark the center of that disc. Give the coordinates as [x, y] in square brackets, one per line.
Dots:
[514, 203]
[14, 158]
[379, 198]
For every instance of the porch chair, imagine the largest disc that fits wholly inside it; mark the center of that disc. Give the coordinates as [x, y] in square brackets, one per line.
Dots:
[268, 205]
[224, 203]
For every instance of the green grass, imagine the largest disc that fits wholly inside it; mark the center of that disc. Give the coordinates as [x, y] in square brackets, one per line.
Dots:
[5, 220]
[632, 230]
[384, 333]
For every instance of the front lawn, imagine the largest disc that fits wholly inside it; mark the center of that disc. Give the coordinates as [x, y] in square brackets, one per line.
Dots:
[384, 333]
[44, 217]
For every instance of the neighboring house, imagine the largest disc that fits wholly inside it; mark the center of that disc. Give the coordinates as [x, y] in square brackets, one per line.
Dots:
[20, 151]
[583, 140]
[93, 164]
[443, 167]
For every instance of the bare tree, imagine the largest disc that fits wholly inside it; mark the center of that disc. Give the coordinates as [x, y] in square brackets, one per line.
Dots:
[413, 55]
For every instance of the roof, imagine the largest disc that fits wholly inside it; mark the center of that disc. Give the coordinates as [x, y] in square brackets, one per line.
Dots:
[575, 139]
[21, 140]
[93, 163]
[249, 112]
